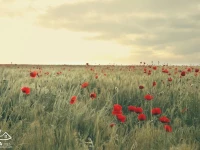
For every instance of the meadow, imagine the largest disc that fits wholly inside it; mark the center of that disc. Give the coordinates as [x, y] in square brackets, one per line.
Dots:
[100, 107]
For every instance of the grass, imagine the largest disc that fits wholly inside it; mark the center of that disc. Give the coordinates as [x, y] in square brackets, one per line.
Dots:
[45, 120]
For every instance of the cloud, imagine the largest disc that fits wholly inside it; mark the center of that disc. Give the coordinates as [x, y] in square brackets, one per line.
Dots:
[13, 8]
[153, 25]
[152, 29]
[23, 8]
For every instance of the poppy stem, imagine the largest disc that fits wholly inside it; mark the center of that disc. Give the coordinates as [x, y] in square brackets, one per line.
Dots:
[88, 93]
[114, 96]
[151, 109]
[88, 90]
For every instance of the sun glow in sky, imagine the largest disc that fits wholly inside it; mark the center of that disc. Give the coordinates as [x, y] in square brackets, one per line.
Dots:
[99, 32]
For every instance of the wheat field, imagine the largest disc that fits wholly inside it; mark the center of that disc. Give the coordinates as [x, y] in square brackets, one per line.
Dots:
[45, 119]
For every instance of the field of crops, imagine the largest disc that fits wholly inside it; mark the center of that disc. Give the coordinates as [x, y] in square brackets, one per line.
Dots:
[100, 107]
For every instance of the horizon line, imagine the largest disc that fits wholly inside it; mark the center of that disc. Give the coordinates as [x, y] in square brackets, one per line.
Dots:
[166, 64]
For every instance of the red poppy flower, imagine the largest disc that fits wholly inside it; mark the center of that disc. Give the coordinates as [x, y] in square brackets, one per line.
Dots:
[117, 109]
[154, 67]
[168, 128]
[26, 90]
[141, 87]
[93, 95]
[138, 110]
[85, 84]
[96, 76]
[73, 99]
[156, 111]
[114, 112]
[154, 83]
[148, 97]
[196, 70]
[183, 73]
[189, 69]
[141, 117]
[170, 79]
[165, 71]
[112, 125]
[33, 74]
[131, 108]
[164, 119]
[121, 117]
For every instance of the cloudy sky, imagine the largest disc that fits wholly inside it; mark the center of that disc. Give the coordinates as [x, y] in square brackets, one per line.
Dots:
[99, 31]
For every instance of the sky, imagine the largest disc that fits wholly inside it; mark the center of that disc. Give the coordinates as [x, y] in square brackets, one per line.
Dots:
[100, 31]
